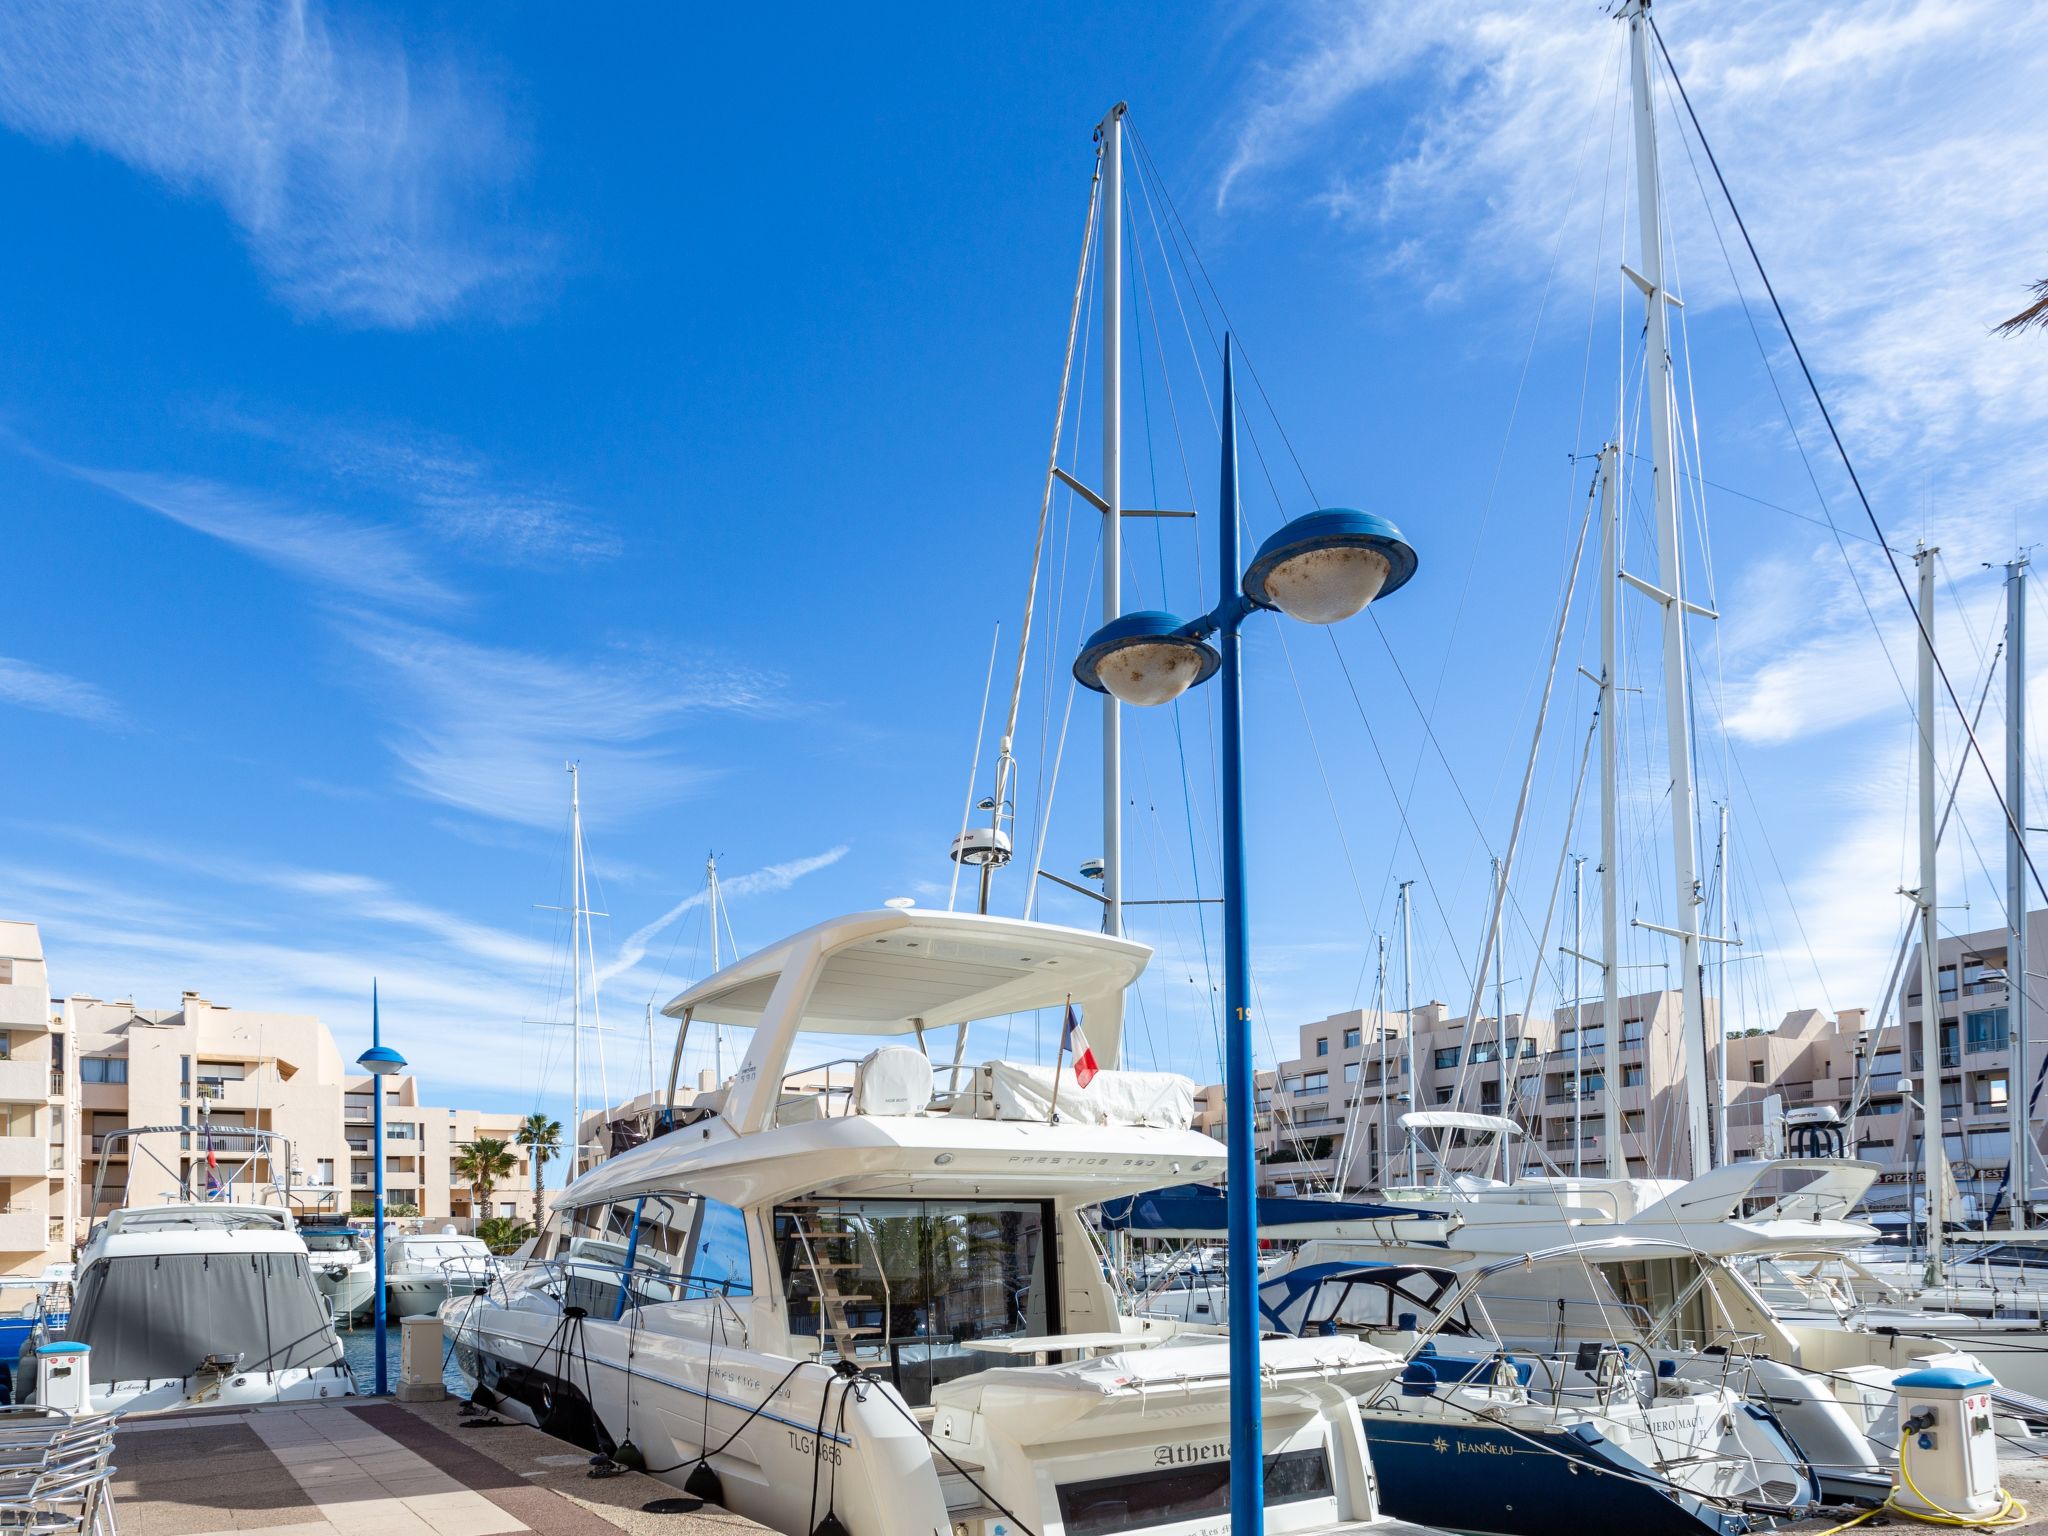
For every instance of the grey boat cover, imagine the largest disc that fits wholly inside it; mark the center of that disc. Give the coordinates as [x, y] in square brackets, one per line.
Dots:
[150, 1317]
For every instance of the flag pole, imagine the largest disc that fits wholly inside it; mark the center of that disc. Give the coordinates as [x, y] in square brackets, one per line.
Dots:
[1059, 1062]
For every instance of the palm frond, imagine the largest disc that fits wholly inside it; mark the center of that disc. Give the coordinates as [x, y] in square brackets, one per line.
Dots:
[2034, 314]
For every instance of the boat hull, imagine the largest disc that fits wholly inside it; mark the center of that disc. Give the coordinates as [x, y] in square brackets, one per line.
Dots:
[1497, 1482]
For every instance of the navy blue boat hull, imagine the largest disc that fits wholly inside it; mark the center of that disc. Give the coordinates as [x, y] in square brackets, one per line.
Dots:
[1496, 1482]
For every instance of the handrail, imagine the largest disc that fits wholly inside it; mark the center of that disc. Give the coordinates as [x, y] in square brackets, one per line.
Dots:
[507, 1270]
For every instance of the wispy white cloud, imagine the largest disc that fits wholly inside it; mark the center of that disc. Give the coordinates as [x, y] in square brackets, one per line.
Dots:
[774, 877]
[449, 488]
[29, 686]
[338, 554]
[366, 180]
[489, 729]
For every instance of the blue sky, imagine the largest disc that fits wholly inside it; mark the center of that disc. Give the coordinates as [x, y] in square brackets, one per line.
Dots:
[400, 402]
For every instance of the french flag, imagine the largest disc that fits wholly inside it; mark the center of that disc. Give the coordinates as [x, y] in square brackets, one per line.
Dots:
[1077, 1043]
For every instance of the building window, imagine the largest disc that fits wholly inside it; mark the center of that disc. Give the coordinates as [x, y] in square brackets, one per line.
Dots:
[1984, 1030]
[1350, 1071]
[185, 1077]
[1447, 1057]
[1350, 1039]
[1756, 1071]
[1484, 1051]
[1632, 1074]
[1631, 1032]
[1314, 1082]
[323, 1172]
[1322, 1045]
[103, 1069]
[6, 1046]
[1994, 1093]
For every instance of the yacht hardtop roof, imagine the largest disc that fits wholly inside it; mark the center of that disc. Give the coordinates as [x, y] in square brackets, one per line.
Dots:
[895, 970]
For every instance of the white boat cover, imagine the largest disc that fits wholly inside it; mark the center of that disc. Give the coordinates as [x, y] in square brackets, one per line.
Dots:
[1012, 1090]
[894, 1080]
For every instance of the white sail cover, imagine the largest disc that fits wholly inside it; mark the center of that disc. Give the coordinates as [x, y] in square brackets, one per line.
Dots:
[1011, 1090]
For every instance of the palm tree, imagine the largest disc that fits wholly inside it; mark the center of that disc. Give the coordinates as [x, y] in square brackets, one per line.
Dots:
[2035, 314]
[483, 1162]
[542, 1138]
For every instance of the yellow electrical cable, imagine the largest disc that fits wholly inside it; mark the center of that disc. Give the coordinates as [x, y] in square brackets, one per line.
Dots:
[2010, 1510]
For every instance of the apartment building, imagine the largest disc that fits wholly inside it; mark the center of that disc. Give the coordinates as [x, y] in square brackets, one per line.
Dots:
[1331, 1113]
[421, 1146]
[38, 1154]
[203, 1071]
[1976, 1070]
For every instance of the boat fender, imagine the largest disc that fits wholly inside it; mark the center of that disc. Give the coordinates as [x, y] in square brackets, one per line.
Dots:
[628, 1458]
[704, 1483]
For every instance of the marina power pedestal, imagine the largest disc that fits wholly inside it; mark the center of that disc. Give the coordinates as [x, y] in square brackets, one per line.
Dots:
[1948, 1459]
[419, 1361]
[64, 1377]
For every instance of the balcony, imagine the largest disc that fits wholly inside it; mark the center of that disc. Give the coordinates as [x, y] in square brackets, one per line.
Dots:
[24, 1157]
[23, 1007]
[23, 1230]
[24, 1082]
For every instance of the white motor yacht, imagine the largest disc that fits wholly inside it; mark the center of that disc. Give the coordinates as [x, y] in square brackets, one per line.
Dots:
[196, 1302]
[885, 1306]
[422, 1268]
[344, 1267]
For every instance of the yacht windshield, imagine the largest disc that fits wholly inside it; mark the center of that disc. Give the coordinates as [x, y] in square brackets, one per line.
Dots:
[908, 1287]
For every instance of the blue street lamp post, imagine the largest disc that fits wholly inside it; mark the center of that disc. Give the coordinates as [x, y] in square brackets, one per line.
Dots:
[1321, 568]
[380, 1061]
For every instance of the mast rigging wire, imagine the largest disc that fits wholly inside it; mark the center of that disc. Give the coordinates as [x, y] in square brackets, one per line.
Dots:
[2019, 841]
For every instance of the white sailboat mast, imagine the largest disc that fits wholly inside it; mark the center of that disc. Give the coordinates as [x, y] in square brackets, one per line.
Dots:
[1408, 1018]
[576, 931]
[1670, 595]
[711, 903]
[1112, 492]
[1610, 890]
[2020, 1079]
[1933, 1163]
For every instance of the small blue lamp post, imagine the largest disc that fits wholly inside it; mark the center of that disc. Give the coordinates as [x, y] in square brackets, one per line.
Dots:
[380, 1061]
[1320, 568]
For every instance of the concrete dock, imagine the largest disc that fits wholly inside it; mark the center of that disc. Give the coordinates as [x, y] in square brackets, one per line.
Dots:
[373, 1467]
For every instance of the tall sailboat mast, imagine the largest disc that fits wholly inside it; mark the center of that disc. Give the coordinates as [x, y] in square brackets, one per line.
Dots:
[717, 964]
[1669, 593]
[1933, 1163]
[575, 969]
[1408, 1018]
[1112, 493]
[582, 949]
[1610, 875]
[2019, 1080]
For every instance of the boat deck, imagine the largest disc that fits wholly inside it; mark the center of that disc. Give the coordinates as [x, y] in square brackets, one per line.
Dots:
[373, 1467]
